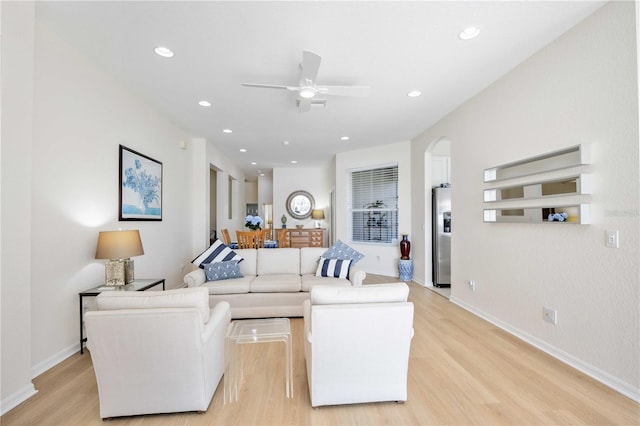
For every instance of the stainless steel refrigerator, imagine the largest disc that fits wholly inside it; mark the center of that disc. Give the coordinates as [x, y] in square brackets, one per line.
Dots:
[441, 217]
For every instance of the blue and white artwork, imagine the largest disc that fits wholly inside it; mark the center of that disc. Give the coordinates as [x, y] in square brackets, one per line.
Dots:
[140, 186]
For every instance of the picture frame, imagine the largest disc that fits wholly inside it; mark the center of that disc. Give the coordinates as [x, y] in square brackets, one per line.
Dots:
[140, 186]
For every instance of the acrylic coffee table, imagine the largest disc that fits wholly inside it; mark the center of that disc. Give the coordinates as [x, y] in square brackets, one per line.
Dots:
[243, 332]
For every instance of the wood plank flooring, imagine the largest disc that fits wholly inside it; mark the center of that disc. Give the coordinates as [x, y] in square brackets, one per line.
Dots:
[462, 371]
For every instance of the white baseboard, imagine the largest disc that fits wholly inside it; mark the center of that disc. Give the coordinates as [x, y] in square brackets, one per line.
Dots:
[54, 360]
[17, 398]
[603, 377]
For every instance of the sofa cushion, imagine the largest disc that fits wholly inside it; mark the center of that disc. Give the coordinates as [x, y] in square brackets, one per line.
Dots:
[278, 261]
[336, 268]
[310, 280]
[226, 270]
[341, 250]
[273, 283]
[372, 293]
[234, 286]
[309, 259]
[178, 298]
[217, 252]
[248, 265]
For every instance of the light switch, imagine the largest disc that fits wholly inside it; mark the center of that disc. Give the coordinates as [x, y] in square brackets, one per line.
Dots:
[612, 239]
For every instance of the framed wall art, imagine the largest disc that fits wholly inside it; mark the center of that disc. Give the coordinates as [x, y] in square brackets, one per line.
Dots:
[140, 193]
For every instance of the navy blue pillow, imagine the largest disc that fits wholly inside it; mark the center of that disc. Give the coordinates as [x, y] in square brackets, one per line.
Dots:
[222, 270]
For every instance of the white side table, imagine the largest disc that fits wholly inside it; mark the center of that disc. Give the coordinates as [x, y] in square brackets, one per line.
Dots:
[254, 331]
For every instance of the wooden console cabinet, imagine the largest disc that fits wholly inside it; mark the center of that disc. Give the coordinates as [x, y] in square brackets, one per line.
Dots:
[306, 237]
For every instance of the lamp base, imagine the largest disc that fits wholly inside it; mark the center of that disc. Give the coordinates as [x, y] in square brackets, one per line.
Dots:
[128, 271]
[114, 273]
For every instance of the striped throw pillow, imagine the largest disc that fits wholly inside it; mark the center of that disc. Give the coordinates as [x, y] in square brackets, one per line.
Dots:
[218, 252]
[336, 268]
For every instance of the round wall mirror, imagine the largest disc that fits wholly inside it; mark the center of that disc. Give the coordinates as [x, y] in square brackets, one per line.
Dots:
[300, 204]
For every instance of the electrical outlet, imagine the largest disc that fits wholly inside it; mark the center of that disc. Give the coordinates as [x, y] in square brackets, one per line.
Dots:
[181, 266]
[472, 285]
[550, 315]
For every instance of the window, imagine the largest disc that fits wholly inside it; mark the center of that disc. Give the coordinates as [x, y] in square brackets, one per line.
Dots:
[374, 205]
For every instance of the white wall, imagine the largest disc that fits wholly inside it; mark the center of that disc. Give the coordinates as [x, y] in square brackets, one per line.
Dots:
[318, 181]
[582, 88]
[17, 23]
[379, 258]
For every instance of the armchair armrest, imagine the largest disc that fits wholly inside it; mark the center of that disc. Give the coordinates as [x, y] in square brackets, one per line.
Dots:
[220, 316]
[357, 276]
[195, 278]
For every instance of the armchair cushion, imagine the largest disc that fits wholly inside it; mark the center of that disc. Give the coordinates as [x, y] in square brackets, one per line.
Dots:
[217, 252]
[179, 298]
[228, 269]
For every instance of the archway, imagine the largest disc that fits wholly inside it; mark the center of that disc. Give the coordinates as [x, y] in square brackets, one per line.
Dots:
[437, 167]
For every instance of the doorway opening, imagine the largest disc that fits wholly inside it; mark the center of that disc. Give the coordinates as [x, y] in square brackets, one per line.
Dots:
[437, 160]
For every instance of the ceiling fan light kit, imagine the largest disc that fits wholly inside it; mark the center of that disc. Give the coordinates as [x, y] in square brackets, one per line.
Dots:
[307, 88]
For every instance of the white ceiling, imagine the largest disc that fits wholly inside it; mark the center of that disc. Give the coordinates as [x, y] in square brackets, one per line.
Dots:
[392, 46]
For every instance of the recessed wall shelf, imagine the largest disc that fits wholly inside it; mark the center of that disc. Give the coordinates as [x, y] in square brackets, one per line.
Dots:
[573, 214]
[571, 185]
[556, 160]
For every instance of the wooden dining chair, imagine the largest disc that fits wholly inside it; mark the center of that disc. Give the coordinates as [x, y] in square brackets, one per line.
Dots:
[250, 239]
[266, 234]
[283, 241]
[225, 236]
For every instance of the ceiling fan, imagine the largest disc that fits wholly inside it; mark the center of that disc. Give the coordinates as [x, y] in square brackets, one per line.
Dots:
[308, 89]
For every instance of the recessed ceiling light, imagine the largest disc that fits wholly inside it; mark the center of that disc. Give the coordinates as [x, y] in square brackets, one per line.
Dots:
[294, 162]
[469, 33]
[227, 131]
[344, 138]
[261, 174]
[285, 143]
[204, 103]
[243, 150]
[253, 163]
[414, 93]
[165, 52]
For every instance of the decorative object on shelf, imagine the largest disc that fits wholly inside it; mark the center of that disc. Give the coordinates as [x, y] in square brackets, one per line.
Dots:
[300, 204]
[253, 222]
[317, 215]
[283, 219]
[405, 247]
[560, 217]
[119, 247]
[299, 226]
[405, 269]
[140, 189]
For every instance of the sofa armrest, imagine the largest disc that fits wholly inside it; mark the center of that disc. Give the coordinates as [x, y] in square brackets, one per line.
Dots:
[195, 278]
[357, 276]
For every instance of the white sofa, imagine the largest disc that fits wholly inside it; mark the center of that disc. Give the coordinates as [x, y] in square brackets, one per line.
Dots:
[275, 282]
[357, 343]
[156, 352]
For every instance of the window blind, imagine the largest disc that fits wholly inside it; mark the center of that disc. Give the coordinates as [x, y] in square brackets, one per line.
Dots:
[374, 205]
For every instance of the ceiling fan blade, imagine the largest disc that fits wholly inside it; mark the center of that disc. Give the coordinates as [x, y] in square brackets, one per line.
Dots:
[360, 91]
[310, 66]
[304, 105]
[270, 86]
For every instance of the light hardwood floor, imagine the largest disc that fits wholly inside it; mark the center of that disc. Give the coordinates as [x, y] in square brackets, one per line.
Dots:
[462, 371]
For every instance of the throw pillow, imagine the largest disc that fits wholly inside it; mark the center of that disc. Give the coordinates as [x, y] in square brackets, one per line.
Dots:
[218, 252]
[341, 250]
[222, 270]
[336, 268]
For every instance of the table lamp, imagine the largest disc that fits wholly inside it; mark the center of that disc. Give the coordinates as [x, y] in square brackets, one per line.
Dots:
[317, 215]
[118, 247]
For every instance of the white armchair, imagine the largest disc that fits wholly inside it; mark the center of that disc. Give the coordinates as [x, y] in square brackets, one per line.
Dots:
[357, 342]
[156, 352]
